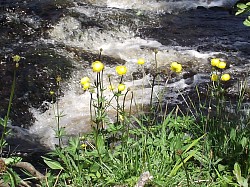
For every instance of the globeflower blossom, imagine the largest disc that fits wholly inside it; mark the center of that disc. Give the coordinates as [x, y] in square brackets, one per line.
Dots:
[215, 62]
[16, 58]
[140, 61]
[121, 70]
[225, 77]
[85, 83]
[97, 66]
[214, 77]
[121, 87]
[222, 65]
[111, 87]
[86, 86]
[176, 67]
[84, 80]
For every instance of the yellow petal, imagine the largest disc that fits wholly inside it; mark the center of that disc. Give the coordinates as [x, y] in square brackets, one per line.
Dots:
[97, 66]
[86, 86]
[121, 70]
[222, 65]
[176, 67]
[16, 58]
[121, 87]
[111, 87]
[225, 77]
[84, 80]
[214, 77]
[140, 61]
[215, 62]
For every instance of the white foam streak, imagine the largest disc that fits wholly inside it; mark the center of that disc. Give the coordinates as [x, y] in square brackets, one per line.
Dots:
[75, 109]
[163, 5]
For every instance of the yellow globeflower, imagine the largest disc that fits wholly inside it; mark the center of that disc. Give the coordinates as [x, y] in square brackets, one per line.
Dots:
[97, 66]
[86, 86]
[140, 61]
[222, 65]
[121, 70]
[84, 80]
[215, 62]
[121, 87]
[51, 92]
[225, 77]
[111, 87]
[58, 78]
[214, 77]
[16, 58]
[83, 146]
[121, 117]
[176, 67]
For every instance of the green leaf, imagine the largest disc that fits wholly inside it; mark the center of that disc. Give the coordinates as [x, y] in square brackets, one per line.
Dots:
[12, 178]
[233, 134]
[178, 164]
[73, 144]
[100, 144]
[94, 168]
[241, 6]
[194, 143]
[244, 142]
[53, 164]
[247, 22]
[12, 160]
[239, 12]
[1, 121]
[245, 183]
[237, 171]
[72, 163]
[98, 175]
[171, 135]
[221, 167]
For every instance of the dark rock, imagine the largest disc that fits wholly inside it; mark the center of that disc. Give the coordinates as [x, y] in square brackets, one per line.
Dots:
[35, 78]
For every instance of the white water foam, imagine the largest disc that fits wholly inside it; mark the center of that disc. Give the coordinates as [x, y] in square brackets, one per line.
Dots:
[121, 44]
[75, 102]
[162, 5]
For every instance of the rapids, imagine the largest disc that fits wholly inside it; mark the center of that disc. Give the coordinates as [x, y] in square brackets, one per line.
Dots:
[64, 37]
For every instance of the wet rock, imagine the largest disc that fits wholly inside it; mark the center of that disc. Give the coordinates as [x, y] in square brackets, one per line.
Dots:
[35, 78]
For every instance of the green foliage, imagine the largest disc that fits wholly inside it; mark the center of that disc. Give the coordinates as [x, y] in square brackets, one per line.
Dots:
[242, 9]
[237, 172]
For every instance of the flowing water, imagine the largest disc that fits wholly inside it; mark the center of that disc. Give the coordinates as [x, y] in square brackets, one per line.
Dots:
[59, 37]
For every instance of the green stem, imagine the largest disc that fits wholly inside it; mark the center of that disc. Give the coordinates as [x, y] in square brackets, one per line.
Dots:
[123, 103]
[184, 166]
[102, 104]
[156, 63]
[8, 113]
[152, 90]
[58, 117]
[117, 109]
[90, 107]
[98, 100]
